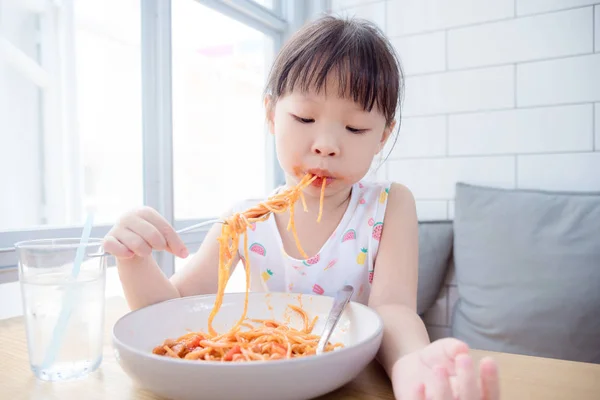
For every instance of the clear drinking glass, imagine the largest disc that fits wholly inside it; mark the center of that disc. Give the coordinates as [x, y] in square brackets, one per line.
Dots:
[63, 306]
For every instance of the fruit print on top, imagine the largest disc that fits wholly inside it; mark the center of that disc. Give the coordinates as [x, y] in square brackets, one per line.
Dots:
[349, 255]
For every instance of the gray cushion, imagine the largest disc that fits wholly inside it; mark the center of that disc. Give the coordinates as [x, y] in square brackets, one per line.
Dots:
[435, 248]
[528, 272]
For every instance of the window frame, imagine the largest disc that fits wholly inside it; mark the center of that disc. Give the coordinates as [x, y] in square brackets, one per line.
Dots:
[278, 23]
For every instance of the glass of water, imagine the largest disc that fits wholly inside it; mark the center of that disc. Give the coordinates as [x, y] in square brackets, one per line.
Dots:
[63, 306]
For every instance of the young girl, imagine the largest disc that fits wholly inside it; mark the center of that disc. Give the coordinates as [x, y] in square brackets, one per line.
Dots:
[331, 104]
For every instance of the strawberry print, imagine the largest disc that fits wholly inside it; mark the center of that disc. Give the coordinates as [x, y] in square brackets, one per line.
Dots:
[371, 222]
[360, 185]
[377, 229]
[362, 201]
[253, 226]
[318, 289]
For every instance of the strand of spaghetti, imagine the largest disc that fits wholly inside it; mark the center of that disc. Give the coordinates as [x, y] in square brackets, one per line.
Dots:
[302, 314]
[243, 317]
[303, 201]
[321, 199]
[237, 224]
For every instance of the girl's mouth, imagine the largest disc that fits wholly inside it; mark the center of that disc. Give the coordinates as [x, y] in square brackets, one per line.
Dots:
[318, 182]
[321, 175]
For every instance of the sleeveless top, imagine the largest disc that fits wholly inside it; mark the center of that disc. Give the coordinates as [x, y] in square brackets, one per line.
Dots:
[347, 257]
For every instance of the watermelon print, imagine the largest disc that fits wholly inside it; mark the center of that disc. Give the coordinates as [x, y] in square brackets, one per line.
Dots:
[312, 261]
[377, 229]
[258, 249]
[350, 234]
[371, 273]
[318, 289]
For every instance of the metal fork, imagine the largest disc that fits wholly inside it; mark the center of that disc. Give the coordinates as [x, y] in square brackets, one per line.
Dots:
[341, 299]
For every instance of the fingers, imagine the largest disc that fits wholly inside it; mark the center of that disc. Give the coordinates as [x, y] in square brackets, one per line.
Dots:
[441, 389]
[134, 242]
[116, 248]
[490, 382]
[444, 352]
[466, 378]
[419, 393]
[174, 244]
[146, 231]
[141, 231]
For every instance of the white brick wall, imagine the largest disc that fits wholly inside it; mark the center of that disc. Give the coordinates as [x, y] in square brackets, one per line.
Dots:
[530, 130]
[522, 39]
[562, 81]
[373, 11]
[416, 16]
[444, 93]
[422, 53]
[541, 6]
[421, 137]
[503, 93]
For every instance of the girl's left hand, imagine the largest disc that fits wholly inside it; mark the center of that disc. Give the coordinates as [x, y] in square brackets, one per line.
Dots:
[444, 371]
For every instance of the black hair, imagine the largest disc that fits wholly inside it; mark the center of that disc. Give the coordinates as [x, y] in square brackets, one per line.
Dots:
[366, 64]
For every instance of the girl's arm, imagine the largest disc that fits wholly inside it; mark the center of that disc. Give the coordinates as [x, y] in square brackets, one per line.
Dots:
[394, 289]
[416, 367]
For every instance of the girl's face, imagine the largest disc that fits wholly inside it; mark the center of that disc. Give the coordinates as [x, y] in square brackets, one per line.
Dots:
[328, 136]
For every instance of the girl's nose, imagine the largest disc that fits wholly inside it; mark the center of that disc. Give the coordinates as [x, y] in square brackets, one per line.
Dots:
[325, 149]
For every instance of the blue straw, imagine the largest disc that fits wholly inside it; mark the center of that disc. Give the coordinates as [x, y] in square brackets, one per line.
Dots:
[63, 319]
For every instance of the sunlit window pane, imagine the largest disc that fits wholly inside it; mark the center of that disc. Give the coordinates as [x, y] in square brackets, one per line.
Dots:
[219, 72]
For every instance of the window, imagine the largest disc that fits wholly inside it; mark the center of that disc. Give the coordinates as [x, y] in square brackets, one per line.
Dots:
[82, 82]
[73, 126]
[219, 138]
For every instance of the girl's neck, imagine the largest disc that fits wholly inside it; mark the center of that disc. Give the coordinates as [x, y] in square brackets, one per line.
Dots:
[330, 202]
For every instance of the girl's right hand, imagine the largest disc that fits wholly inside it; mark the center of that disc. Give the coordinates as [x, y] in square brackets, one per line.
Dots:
[139, 232]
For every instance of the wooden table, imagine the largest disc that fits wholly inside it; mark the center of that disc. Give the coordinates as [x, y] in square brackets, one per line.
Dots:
[522, 377]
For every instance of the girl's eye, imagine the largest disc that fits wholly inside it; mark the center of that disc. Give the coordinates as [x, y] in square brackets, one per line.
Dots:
[356, 130]
[304, 120]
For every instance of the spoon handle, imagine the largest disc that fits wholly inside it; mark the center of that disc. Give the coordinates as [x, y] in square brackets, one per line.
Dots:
[342, 298]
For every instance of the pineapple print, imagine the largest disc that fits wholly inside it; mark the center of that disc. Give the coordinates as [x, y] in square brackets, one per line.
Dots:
[362, 256]
[383, 196]
[266, 275]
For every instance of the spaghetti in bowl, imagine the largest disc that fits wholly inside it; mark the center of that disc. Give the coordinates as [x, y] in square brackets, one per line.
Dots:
[137, 335]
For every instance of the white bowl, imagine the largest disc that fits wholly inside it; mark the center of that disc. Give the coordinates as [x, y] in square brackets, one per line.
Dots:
[135, 335]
